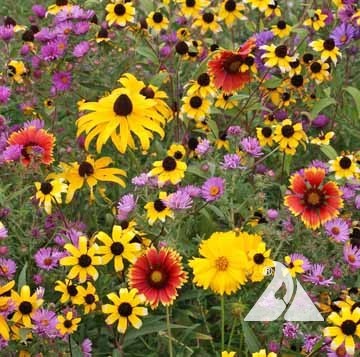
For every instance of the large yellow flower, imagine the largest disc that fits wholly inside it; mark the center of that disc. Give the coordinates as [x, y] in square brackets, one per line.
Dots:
[82, 260]
[4, 305]
[120, 13]
[169, 169]
[117, 116]
[49, 193]
[224, 264]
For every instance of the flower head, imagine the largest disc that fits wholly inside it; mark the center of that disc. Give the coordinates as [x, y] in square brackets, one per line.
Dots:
[213, 189]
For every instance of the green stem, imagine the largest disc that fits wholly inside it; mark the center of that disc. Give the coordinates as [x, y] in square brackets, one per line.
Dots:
[70, 349]
[222, 322]
[231, 334]
[169, 331]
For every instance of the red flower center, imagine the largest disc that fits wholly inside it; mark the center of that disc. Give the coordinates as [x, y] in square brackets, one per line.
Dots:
[157, 279]
[314, 198]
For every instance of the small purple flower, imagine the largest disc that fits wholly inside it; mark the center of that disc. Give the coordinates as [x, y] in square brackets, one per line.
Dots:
[61, 81]
[125, 206]
[272, 214]
[251, 146]
[7, 268]
[348, 192]
[213, 189]
[3, 232]
[141, 180]
[38, 279]
[45, 35]
[165, 51]
[290, 330]
[3, 343]
[263, 37]
[234, 130]
[337, 229]
[81, 28]
[5, 93]
[81, 49]
[86, 347]
[319, 164]
[12, 152]
[337, 272]
[39, 10]
[6, 32]
[50, 52]
[203, 148]
[45, 322]
[64, 28]
[192, 190]
[37, 123]
[309, 342]
[231, 162]
[357, 202]
[315, 276]
[48, 258]
[343, 34]
[352, 256]
[180, 200]
[320, 121]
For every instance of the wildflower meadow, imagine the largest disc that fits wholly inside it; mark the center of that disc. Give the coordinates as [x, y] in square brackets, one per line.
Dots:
[179, 178]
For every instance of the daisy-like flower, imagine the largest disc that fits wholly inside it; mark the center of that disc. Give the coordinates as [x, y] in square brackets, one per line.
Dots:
[289, 135]
[315, 276]
[213, 189]
[180, 200]
[125, 309]
[168, 169]
[251, 146]
[177, 151]
[16, 70]
[158, 210]
[316, 21]
[89, 298]
[319, 71]
[67, 324]
[158, 274]
[228, 354]
[60, 5]
[191, 8]
[277, 56]
[61, 81]
[337, 229]
[118, 247]
[225, 68]
[351, 255]
[323, 139]
[90, 172]
[7, 268]
[231, 11]
[312, 198]
[260, 260]
[120, 13]
[265, 136]
[36, 145]
[231, 162]
[346, 327]
[343, 34]
[69, 291]
[223, 266]
[157, 22]
[273, 9]
[125, 206]
[50, 192]
[226, 101]
[295, 266]
[82, 260]
[102, 36]
[344, 166]
[281, 29]
[45, 322]
[261, 5]
[327, 48]
[48, 258]
[207, 22]
[202, 87]
[26, 306]
[263, 353]
[4, 306]
[195, 107]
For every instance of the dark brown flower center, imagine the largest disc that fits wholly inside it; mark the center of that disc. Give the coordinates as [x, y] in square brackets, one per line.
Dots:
[46, 188]
[147, 92]
[123, 105]
[281, 51]
[125, 309]
[345, 162]
[9, 21]
[233, 64]
[314, 198]
[103, 33]
[84, 261]
[329, 44]
[193, 143]
[169, 164]
[281, 25]
[203, 80]
[315, 67]
[266, 131]
[85, 169]
[178, 155]
[259, 258]
[308, 57]
[287, 131]
[181, 48]
[230, 5]
[348, 327]
[28, 36]
[136, 239]
[72, 290]
[294, 64]
[274, 5]
[11, 71]
[158, 17]
[297, 80]
[67, 323]
[117, 248]
[159, 205]
[315, 18]
[25, 307]
[124, 224]
[89, 299]
[208, 17]
[214, 47]
[119, 9]
[61, 2]
[195, 102]
[285, 96]
[190, 3]
[249, 61]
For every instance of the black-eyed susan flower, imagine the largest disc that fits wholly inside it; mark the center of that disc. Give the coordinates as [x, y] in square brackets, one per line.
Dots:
[4, 307]
[169, 169]
[117, 116]
[313, 198]
[295, 68]
[286, 99]
[265, 136]
[207, 22]
[273, 9]
[195, 107]
[289, 135]
[202, 86]
[26, 306]
[102, 36]
[345, 327]
[125, 309]
[177, 151]
[277, 56]
[226, 101]
[294, 266]
[158, 274]
[50, 192]
[157, 21]
[323, 139]
[157, 210]
[49, 104]
[317, 20]
[259, 257]
[118, 247]
[297, 82]
[16, 70]
[319, 71]
[222, 141]
[60, 5]
[67, 324]
[327, 48]
[231, 11]
[90, 171]
[281, 29]
[69, 292]
[120, 13]
[261, 5]
[223, 266]
[191, 8]
[344, 166]
[82, 260]
[263, 353]
[183, 34]
[88, 297]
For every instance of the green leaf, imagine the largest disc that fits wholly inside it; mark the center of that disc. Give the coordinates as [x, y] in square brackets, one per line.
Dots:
[329, 151]
[196, 171]
[320, 105]
[158, 79]
[273, 82]
[287, 163]
[22, 276]
[148, 53]
[251, 340]
[213, 127]
[355, 93]
[75, 349]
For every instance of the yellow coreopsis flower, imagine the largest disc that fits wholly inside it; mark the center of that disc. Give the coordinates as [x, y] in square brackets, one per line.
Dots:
[49, 193]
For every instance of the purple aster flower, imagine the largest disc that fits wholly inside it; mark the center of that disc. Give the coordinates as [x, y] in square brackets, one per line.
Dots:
[352, 256]
[346, 13]
[12, 152]
[48, 258]
[281, 115]
[320, 121]
[61, 81]
[25, 49]
[81, 49]
[50, 52]
[273, 346]
[213, 189]
[337, 229]
[203, 147]
[315, 276]
[290, 330]
[38, 279]
[81, 28]
[63, 29]
[251, 146]
[7, 309]
[6, 32]
[86, 347]
[337, 271]
[357, 202]
[348, 192]
[39, 10]
[3, 343]
[165, 51]
[37, 123]
[125, 206]
[272, 214]
[141, 180]
[45, 322]
[288, 225]
[3, 231]
[7, 268]
[306, 264]
[234, 130]
[192, 190]
[5, 93]
[343, 34]
[263, 37]
[231, 162]
[179, 200]
[319, 164]
[309, 342]
[45, 35]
